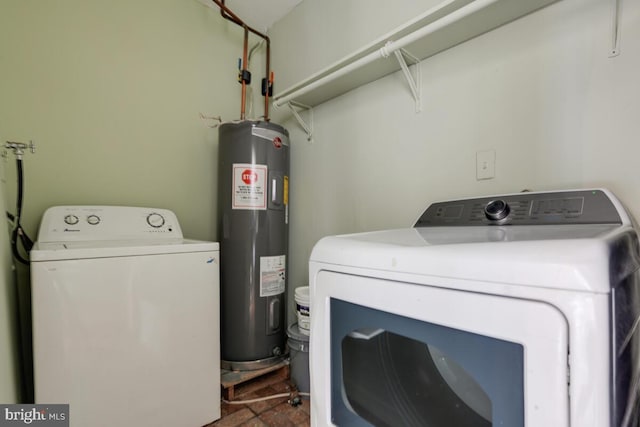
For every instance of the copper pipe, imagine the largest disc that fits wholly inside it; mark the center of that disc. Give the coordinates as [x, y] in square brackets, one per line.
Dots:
[243, 98]
[269, 80]
[226, 13]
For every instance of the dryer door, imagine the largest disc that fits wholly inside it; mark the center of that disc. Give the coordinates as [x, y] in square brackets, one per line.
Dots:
[402, 354]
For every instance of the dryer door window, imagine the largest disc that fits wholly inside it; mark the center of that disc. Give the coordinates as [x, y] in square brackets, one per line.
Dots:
[407, 372]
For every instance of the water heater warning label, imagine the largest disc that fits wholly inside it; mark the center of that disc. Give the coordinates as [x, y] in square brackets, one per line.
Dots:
[249, 186]
[272, 275]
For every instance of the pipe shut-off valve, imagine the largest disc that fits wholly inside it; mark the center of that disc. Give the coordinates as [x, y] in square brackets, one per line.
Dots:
[19, 148]
[244, 75]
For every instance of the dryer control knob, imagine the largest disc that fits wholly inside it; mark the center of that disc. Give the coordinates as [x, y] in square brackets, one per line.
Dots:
[496, 210]
[71, 219]
[93, 219]
[155, 220]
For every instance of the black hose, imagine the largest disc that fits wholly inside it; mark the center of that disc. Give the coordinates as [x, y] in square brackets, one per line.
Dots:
[18, 234]
[20, 172]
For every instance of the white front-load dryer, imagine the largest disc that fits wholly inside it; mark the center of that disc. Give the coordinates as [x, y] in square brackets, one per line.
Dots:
[125, 318]
[518, 310]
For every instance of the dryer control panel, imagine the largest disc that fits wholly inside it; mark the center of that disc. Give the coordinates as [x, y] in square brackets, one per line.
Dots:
[100, 223]
[548, 208]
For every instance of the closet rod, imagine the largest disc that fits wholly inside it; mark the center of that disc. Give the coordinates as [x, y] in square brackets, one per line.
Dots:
[389, 48]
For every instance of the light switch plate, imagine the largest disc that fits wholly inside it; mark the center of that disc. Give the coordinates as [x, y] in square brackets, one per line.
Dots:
[485, 164]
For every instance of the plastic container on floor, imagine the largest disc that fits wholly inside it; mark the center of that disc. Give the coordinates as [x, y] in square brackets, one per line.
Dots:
[299, 358]
[302, 309]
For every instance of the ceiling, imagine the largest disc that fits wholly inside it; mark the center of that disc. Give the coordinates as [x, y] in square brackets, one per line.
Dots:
[258, 14]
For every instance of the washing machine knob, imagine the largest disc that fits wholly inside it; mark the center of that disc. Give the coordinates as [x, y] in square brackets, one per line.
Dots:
[71, 219]
[496, 210]
[155, 220]
[93, 219]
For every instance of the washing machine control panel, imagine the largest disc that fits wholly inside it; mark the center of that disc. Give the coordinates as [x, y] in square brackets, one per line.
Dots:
[548, 208]
[155, 220]
[95, 223]
[71, 219]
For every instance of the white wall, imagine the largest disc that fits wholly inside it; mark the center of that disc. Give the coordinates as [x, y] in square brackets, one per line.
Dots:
[111, 93]
[541, 91]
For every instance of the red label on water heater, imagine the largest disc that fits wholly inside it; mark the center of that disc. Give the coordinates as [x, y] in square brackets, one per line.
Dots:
[277, 142]
[249, 177]
[249, 186]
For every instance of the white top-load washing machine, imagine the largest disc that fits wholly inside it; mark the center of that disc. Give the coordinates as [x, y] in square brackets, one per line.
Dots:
[125, 318]
[514, 310]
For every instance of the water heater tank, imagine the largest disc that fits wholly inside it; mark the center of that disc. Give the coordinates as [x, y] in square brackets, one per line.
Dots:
[253, 198]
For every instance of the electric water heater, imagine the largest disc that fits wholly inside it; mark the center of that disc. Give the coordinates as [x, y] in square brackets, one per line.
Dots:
[253, 192]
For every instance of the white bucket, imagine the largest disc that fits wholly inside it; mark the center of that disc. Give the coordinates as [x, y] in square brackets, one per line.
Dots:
[302, 309]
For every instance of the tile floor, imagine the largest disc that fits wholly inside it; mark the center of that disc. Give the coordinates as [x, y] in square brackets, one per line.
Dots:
[274, 412]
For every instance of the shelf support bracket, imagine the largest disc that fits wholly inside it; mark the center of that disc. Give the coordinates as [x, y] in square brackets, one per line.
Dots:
[414, 81]
[616, 10]
[307, 127]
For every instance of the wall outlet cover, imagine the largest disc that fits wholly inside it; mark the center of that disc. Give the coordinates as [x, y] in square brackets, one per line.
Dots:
[485, 164]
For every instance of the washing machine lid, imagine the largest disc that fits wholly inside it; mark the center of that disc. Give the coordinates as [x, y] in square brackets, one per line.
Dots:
[571, 255]
[57, 251]
[77, 232]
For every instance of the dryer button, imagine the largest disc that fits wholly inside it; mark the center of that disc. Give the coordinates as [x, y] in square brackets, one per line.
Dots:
[497, 210]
